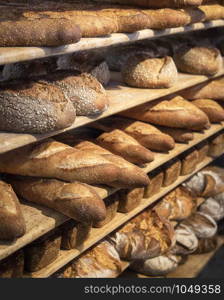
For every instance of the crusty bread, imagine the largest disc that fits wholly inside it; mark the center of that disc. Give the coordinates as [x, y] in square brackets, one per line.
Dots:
[52, 159]
[85, 92]
[129, 199]
[199, 60]
[146, 134]
[76, 200]
[140, 70]
[202, 149]
[189, 161]
[212, 11]
[176, 113]
[172, 171]
[12, 221]
[13, 265]
[131, 176]
[213, 110]
[208, 90]
[124, 145]
[156, 182]
[41, 32]
[179, 135]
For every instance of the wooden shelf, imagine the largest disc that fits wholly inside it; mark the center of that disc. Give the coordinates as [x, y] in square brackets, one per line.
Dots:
[40, 220]
[121, 98]
[11, 55]
[98, 234]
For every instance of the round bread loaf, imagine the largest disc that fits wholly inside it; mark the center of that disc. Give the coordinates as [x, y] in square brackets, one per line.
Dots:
[140, 70]
[213, 208]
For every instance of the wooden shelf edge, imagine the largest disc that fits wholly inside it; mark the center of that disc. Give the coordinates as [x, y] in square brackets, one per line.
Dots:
[43, 219]
[121, 98]
[17, 54]
[96, 235]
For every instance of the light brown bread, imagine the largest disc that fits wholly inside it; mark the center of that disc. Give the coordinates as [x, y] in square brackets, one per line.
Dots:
[179, 135]
[199, 60]
[146, 134]
[189, 161]
[140, 70]
[213, 110]
[76, 200]
[156, 182]
[209, 90]
[176, 113]
[129, 199]
[216, 144]
[84, 91]
[202, 149]
[131, 176]
[52, 159]
[212, 11]
[12, 220]
[124, 145]
[172, 171]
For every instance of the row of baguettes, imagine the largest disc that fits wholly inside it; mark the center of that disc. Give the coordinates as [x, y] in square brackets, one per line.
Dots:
[65, 22]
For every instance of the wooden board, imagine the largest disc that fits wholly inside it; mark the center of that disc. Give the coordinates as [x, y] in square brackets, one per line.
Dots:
[40, 220]
[98, 234]
[121, 97]
[16, 54]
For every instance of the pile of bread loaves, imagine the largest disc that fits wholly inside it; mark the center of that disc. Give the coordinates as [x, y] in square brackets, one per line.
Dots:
[54, 23]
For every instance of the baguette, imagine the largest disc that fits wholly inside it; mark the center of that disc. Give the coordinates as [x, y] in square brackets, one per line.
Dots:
[52, 159]
[179, 135]
[213, 110]
[124, 145]
[75, 200]
[212, 11]
[146, 134]
[140, 70]
[12, 220]
[45, 106]
[175, 113]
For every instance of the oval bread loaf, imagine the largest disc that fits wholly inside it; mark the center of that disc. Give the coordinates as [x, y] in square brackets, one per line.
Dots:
[213, 110]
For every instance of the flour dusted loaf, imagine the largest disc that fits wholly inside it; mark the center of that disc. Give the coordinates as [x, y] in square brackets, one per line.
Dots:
[74, 234]
[42, 252]
[76, 200]
[175, 113]
[12, 266]
[179, 135]
[213, 89]
[199, 60]
[189, 161]
[140, 70]
[129, 199]
[34, 107]
[102, 261]
[126, 146]
[213, 110]
[206, 245]
[12, 220]
[146, 134]
[172, 171]
[213, 208]
[156, 182]
[84, 91]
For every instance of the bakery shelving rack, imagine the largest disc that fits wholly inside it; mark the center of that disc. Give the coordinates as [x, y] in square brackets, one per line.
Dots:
[16, 54]
[40, 220]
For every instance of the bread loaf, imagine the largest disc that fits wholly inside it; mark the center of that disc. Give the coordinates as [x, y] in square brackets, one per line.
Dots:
[76, 200]
[130, 175]
[175, 113]
[179, 135]
[12, 266]
[74, 234]
[111, 203]
[142, 71]
[41, 32]
[202, 224]
[216, 145]
[206, 245]
[171, 172]
[84, 91]
[42, 252]
[156, 178]
[124, 145]
[129, 199]
[208, 90]
[199, 60]
[44, 106]
[202, 149]
[213, 110]
[212, 11]
[213, 208]
[146, 134]
[12, 220]
[189, 161]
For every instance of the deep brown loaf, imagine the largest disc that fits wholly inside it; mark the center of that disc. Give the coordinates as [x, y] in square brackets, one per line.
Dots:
[44, 106]
[12, 266]
[12, 220]
[146, 134]
[76, 200]
[140, 70]
[176, 113]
